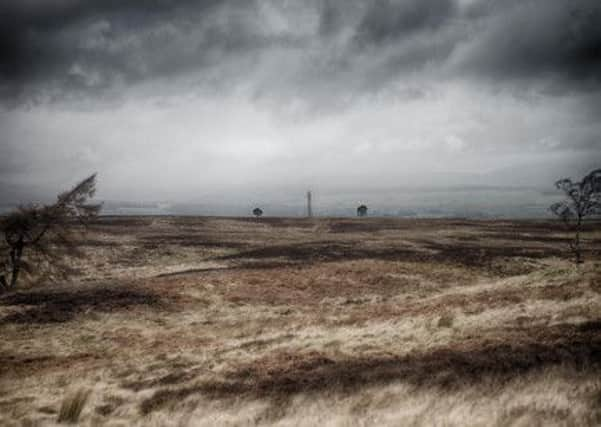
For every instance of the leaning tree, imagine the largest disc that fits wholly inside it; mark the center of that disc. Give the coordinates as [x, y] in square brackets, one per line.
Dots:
[38, 237]
[583, 199]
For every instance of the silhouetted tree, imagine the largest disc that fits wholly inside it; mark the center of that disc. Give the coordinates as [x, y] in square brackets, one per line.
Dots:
[583, 199]
[257, 212]
[362, 210]
[46, 232]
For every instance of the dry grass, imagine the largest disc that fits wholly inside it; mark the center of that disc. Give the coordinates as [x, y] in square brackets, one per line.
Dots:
[212, 321]
[72, 406]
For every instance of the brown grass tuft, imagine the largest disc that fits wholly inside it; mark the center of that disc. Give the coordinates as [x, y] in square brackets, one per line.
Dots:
[445, 321]
[72, 406]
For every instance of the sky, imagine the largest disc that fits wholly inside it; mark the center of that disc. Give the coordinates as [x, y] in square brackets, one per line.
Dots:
[180, 100]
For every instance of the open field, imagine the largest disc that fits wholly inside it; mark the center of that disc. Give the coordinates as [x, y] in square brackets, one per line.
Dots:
[182, 321]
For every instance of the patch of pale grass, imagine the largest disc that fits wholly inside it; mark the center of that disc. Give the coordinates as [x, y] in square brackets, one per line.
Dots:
[551, 397]
[539, 312]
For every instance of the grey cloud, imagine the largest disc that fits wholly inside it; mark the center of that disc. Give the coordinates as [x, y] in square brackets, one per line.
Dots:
[62, 47]
[252, 92]
[536, 40]
[33, 31]
[93, 45]
[388, 20]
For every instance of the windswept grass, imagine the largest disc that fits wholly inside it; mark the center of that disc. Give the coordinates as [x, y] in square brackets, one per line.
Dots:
[227, 322]
[72, 406]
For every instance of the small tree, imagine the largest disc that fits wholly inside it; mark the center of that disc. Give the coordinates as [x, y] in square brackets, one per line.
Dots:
[583, 199]
[45, 232]
[362, 211]
[257, 212]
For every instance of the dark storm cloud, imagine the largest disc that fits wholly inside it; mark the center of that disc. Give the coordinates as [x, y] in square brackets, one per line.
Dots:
[64, 46]
[388, 20]
[537, 39]
[524, 41]
[34, 34]
[74, 45]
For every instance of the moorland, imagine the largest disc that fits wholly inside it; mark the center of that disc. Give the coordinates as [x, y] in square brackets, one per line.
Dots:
[207, 321]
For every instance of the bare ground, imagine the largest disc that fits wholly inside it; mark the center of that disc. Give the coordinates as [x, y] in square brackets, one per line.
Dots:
[214, 321]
